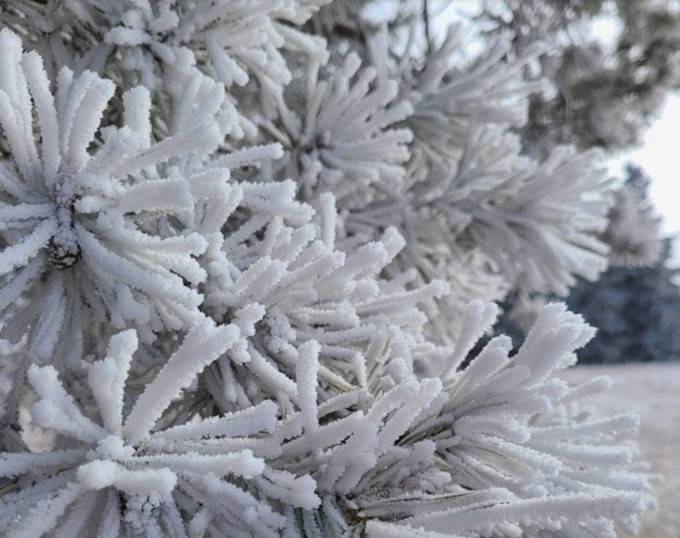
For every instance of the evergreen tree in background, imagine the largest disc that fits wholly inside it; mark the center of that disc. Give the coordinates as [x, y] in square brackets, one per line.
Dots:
[634, 229]
[636, 303]
[601, 94]
[636, 311]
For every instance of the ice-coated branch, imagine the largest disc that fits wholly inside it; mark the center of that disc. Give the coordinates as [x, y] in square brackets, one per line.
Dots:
[75, 248]
[345, 137]
[288, 225]
[159, 476]
[536, 224]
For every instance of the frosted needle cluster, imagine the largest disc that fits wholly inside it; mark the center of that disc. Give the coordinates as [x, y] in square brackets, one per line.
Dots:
[248, 261]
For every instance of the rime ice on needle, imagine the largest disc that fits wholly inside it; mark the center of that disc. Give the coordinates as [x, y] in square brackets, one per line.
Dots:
[75, 249]
[122, 476]
[537, 224]
[482, 452]
[449, 99]
[232, 39]
[509, 430]
[241, 39]
[345, 139]
[309, 288]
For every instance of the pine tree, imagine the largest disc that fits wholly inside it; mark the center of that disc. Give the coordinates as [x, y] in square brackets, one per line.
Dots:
[635, 303]
[248, 254]
[601, 94]
[646, 301]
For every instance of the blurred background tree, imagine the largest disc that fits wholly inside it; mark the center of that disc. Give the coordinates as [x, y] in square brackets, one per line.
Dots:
[636, 311]
[636, 303]
[603, 93]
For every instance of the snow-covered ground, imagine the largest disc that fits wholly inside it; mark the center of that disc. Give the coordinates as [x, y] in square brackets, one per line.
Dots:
[653, 391]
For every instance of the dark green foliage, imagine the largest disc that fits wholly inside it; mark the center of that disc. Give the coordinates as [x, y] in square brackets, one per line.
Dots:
[637, 312]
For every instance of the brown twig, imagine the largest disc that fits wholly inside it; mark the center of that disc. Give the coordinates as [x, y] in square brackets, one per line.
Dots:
[426, 17]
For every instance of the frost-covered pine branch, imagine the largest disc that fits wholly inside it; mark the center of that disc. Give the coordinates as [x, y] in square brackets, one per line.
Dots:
[118, 478]
[394, 452]
[247, 251]
[343, 139]
[451, 94]
[76, 249]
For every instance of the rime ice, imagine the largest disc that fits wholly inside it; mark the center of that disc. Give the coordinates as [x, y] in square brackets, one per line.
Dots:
[289, 244]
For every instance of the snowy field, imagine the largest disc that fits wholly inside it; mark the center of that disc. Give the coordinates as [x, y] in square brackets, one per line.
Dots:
[653, 391]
